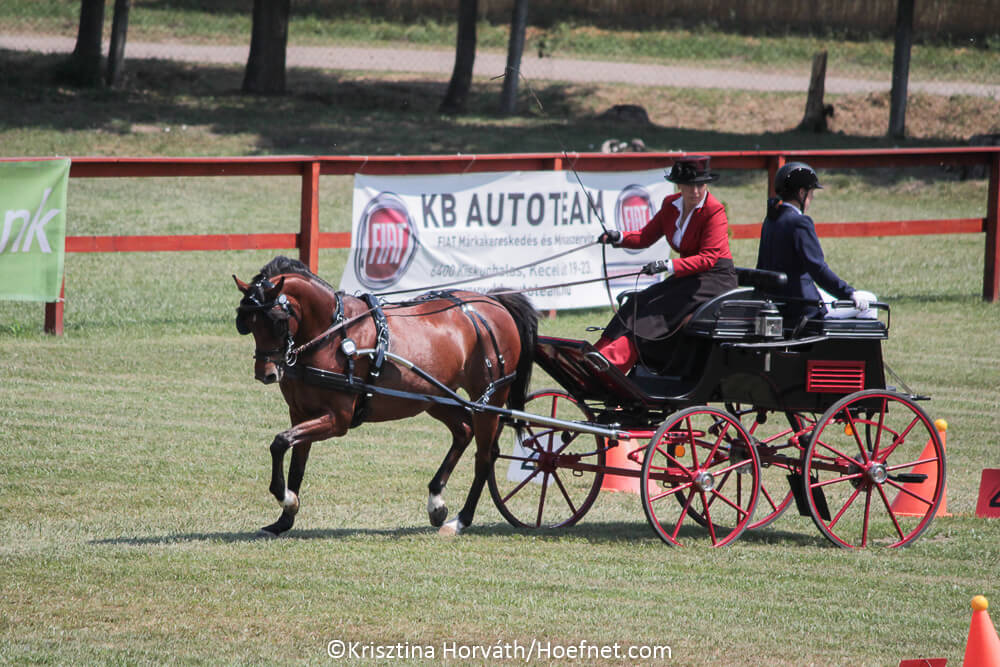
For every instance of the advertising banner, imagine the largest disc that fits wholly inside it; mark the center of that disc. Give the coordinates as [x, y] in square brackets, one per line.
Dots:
[33, 232]
[530, 231]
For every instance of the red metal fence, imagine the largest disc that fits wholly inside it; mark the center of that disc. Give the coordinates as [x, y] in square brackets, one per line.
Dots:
[309, 239]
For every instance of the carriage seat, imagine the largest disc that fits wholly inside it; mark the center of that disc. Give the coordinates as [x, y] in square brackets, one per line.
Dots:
[846, 327]
[731, 315]
[736, 315]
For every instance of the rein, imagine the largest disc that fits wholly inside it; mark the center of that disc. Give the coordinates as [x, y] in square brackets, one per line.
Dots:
[492, 275]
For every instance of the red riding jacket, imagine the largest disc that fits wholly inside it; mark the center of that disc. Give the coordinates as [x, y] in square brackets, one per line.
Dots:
[705, 240]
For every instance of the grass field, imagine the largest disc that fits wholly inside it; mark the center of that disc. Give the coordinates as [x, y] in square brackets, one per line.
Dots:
[135, 465]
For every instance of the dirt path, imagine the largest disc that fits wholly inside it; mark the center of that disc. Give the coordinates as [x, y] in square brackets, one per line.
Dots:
[492, 65]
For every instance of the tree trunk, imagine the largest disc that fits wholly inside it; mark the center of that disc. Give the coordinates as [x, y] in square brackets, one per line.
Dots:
[515, 48]
[265, 72]
[116, 54]
[465, 57]
[901, 69]
[85, 62]
[814, 119]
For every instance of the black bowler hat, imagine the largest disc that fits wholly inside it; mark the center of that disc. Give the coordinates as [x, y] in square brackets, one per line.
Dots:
[691, 169]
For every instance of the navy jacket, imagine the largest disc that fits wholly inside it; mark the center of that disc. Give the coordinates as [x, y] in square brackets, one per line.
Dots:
[788, 243]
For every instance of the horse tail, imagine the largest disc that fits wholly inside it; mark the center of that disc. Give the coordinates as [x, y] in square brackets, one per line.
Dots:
[526, 318]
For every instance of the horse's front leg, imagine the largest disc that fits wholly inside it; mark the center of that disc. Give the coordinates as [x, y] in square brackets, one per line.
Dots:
[299, 438]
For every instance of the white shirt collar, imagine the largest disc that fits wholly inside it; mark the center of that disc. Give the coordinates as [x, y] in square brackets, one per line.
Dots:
[788, 203]
[683, 225]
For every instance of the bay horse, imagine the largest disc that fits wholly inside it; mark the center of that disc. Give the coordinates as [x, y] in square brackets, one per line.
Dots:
[332, 354]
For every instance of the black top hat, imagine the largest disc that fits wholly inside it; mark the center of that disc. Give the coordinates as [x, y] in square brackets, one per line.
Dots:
[691, 169]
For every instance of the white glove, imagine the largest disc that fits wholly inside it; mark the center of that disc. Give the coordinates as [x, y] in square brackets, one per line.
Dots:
[862, 300]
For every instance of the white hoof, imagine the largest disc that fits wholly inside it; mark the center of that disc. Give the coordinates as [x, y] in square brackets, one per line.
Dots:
[291, 502]
[453, 527]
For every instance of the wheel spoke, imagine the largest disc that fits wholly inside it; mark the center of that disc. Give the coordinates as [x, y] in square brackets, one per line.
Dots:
[736, 506]
[847, 504]
[565, 494]
[691, 443]
[671, 491]
[902, 489]
[881, 423]
[534, 473]
[541, 500]
[684, 512]
[900, 438]
[867, 515]
[892, 515]
[708, 518]
[670, 457]
[521, 490]
[857, 436]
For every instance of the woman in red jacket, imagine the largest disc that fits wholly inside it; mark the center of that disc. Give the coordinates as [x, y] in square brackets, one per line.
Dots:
[695, 225]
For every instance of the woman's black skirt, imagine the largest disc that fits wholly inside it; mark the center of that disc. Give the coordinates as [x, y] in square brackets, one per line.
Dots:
[657, 311]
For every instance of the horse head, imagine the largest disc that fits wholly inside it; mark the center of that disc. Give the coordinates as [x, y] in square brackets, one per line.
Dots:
[270, 316]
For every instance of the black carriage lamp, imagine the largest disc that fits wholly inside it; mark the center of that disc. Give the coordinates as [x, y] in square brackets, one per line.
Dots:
[768, 323]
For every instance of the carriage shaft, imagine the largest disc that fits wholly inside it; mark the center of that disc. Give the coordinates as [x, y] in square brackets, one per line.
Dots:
[578, 427]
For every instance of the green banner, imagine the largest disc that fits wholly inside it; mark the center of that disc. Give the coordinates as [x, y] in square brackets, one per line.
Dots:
[32, 229]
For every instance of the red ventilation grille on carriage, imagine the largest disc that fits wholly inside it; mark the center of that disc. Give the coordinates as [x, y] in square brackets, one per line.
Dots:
[838, 377]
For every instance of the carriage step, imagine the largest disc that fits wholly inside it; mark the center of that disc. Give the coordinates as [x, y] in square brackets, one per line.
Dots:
[819, 498]
[909, 477]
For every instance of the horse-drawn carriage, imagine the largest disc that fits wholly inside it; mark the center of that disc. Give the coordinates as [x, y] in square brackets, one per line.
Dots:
[742, 419]
[745, 418]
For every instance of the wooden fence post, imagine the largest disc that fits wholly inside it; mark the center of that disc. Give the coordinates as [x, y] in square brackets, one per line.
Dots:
[309, 221]
[54, 313]
[991, 268]
[773, 165]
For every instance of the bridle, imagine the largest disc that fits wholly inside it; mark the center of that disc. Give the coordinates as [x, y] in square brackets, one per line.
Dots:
[279, 311]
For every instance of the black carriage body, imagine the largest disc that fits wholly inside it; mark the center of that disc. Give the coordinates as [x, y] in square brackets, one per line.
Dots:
[719, 357]
[864, 461]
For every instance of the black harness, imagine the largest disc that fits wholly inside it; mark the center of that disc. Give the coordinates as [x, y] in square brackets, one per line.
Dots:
[363, 405]
[476, 318]
[349, 382]
[368, 388]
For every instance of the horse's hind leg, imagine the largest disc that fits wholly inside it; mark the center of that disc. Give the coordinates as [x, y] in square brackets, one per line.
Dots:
[461, 434]
[487, 429]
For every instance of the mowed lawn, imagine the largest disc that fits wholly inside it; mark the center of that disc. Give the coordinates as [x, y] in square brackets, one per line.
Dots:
[135, 475]
[135, 464]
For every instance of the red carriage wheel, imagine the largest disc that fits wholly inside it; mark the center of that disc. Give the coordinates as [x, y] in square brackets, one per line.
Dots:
[548, 477]
[875, 471]
[781, 441]
[700, 470]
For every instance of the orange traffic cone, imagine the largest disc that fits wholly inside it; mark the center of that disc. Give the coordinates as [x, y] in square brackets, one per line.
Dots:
[907, 505]
[982, 649]
[618, 457]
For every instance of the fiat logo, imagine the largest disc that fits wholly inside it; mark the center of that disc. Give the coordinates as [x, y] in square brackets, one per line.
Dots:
[388, 242]
[633, 210]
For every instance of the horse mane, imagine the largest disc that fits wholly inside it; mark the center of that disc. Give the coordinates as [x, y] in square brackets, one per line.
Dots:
[282, 264]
